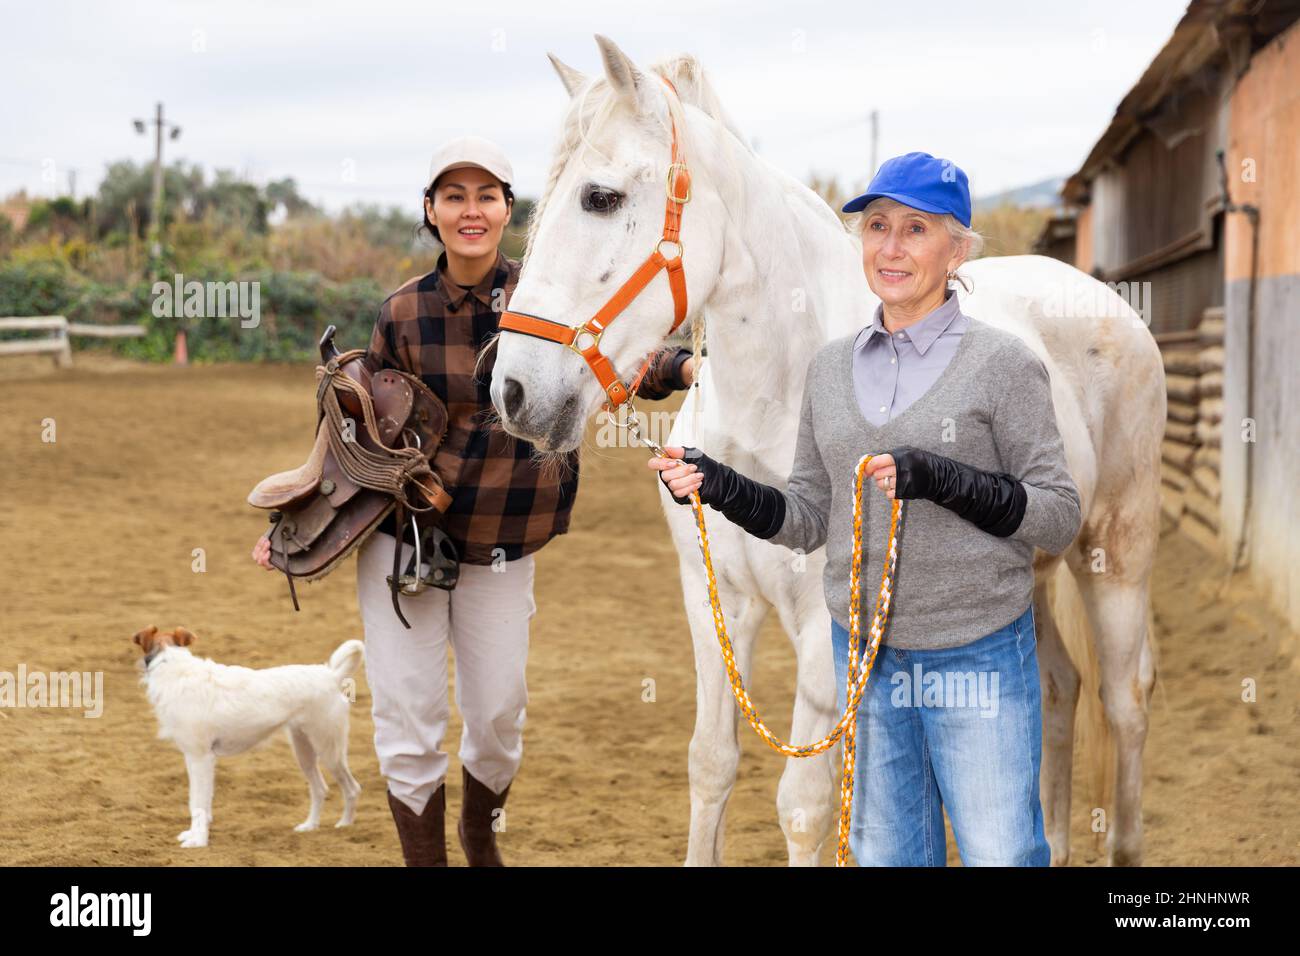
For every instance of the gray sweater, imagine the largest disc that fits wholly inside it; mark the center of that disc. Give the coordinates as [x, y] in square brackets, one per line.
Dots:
[990, 409]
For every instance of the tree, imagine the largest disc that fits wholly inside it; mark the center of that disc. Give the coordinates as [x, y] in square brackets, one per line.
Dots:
[232, 203]
[284, 192]
[128, 186]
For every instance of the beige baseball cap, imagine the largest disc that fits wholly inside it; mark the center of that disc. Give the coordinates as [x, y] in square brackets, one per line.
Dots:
[470, 151]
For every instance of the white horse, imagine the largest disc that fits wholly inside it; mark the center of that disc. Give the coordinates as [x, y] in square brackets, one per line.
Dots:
[777, 275]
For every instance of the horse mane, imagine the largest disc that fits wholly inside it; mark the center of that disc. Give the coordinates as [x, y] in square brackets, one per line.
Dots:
[693, 86]
[593, 105]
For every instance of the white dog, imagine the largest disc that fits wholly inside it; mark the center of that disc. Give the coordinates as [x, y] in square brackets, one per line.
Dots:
[212, 710]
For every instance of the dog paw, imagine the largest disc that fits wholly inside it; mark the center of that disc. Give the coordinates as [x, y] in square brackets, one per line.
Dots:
[183, 836]
[193, 841]
[345, 822]
[306, 826]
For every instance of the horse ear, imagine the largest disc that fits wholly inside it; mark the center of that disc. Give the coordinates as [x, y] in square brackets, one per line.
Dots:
[573, 80]
[624, 78]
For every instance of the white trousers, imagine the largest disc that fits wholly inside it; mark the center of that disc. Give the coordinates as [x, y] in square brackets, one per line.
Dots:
[485, 619]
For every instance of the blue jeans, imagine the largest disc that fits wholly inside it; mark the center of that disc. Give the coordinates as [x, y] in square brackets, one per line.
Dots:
[959, 727]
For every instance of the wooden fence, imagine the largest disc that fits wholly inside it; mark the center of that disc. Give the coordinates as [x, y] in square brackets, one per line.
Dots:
[58, 343]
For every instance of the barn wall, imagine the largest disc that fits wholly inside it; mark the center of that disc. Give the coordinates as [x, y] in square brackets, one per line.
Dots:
[1107, 209]
[1170, 178]
[1264, 126]
[1083, 240]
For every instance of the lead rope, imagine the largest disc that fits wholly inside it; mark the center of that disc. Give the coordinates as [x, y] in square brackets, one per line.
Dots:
[855, 684]
[697, 365]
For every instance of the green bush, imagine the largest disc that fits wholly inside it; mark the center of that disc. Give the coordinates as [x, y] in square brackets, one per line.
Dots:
[41, 287]
[295, 308]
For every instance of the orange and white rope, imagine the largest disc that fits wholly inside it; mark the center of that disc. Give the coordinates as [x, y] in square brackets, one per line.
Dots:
[856, 683]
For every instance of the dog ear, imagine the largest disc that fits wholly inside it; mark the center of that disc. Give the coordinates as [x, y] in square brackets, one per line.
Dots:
[142, 636]
[182, 637]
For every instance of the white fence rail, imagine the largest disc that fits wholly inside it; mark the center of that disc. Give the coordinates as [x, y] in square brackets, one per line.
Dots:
[58, 343]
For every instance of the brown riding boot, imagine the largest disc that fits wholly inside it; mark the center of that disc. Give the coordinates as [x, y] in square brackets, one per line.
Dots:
[424, 837]
[477, 837]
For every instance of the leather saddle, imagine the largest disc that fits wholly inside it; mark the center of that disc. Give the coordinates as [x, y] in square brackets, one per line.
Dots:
[376, 436]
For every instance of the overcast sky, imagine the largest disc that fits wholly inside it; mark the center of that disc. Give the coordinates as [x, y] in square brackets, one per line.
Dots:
[350, 98]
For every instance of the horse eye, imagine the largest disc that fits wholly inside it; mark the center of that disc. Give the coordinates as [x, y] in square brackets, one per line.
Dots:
[599, 199]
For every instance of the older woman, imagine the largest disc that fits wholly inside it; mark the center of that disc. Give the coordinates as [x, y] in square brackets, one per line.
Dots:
[951, 714]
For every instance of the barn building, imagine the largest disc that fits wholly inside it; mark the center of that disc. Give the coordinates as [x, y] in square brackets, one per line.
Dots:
[1189, 206]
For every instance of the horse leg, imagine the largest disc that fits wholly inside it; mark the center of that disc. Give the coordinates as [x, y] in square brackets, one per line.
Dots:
[1118, 611]
[807, 797]
[715, 748]
[1060, 680]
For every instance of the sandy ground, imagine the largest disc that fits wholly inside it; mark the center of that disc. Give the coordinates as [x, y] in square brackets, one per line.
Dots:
[151, 463]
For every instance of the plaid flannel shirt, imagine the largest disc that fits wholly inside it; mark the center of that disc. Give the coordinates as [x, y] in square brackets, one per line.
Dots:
[503, 505]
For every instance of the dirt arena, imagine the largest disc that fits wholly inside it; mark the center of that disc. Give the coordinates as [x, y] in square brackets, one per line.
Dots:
[152, 462]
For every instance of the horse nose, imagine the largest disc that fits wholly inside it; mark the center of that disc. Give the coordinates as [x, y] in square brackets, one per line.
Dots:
[514, 396]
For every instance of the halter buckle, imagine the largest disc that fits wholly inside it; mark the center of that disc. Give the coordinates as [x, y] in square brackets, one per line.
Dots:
[672, 182]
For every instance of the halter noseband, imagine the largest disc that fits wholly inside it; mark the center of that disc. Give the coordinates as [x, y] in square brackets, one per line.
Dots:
[585, 339]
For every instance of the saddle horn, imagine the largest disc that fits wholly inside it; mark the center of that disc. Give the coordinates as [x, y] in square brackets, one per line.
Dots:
[354, 369]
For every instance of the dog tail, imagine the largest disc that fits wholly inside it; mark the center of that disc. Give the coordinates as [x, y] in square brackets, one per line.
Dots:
[344, 661]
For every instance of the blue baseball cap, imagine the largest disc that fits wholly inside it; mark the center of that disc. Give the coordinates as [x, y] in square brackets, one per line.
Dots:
[921, 181]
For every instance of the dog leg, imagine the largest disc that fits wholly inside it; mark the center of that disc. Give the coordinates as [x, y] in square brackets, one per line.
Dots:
[306, 754]
[351, 789]
[202, 774]
[335, 758]
[338, 768]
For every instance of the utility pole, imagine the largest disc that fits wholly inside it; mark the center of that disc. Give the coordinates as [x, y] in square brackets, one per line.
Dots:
[875, 138]
[180, 352]
[156, 200]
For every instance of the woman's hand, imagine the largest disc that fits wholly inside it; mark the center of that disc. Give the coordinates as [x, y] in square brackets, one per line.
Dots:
[885, 472]
[262, 553]
[756, 507]
[680, 477]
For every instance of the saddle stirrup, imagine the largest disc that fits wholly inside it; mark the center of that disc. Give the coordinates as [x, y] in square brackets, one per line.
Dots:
[394, 584]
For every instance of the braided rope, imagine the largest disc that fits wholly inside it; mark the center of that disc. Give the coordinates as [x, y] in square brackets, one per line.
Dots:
[856, 683]
[698, 339]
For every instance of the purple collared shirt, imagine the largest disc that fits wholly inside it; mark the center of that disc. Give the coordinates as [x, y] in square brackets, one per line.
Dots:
[890, 372]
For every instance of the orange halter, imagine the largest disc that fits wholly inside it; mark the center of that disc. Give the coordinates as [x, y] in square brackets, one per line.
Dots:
[585, 339]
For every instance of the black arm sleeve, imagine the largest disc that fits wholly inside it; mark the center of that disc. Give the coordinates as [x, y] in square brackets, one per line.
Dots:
[754, 506]
[664, 375]
[992, 502]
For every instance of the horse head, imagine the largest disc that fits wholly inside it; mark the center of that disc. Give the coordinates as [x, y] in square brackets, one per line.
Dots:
[601, 214]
